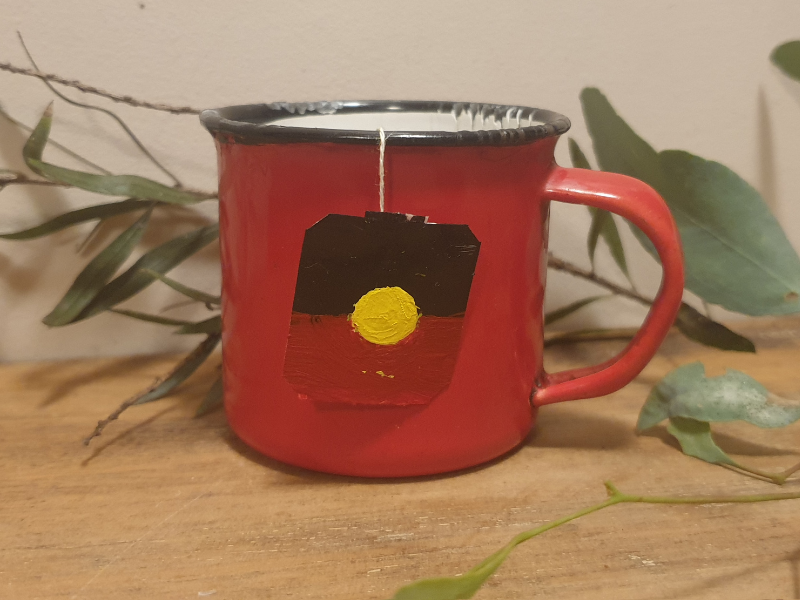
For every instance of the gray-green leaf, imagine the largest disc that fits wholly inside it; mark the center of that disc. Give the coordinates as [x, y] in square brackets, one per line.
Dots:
[700, 328]
[112, 185]
[96, 274]
[787, 58]
[76, 217]
[737, 255]
[160, 259]
[603, 224]
[686, 392]
[695, 440]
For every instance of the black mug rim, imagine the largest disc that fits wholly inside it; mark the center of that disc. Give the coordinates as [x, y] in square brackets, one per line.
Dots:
[253, 123]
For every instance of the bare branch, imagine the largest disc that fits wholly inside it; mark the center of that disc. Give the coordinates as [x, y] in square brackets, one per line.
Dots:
[88, 89]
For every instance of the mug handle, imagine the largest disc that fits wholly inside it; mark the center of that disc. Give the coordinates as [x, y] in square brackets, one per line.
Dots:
[640, 204]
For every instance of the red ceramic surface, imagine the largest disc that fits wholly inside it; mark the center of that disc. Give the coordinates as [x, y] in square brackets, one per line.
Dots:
[271, 193]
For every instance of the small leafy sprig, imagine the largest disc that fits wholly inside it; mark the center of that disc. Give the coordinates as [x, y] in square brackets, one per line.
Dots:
[462, 587]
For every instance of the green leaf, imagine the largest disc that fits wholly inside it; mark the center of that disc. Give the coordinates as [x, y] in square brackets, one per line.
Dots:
[213, 399]
[160, 259]
[212, 325]
[192, 293]
[700, 328]
[736, 254]
[567, 310]
[617, 147]
[787, 58]
[459, 587]
[76, 217]
[695, 440]
[111, 185]
[686, 392]
[95, 275]
[603, 224]
[576, 155]
[183, 371]
[140, 316]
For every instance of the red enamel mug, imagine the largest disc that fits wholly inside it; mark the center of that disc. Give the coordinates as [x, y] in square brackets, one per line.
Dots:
[383, 273]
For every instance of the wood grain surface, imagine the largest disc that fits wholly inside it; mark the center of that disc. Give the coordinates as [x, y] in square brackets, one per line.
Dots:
[167, 506]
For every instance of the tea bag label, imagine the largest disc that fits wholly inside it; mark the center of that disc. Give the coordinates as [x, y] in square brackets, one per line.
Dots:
[378, 309]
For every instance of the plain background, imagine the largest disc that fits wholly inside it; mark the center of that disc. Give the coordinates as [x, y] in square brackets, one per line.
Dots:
[689, 74]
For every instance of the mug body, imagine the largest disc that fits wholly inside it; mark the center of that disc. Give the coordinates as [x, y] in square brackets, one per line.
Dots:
[319, 216]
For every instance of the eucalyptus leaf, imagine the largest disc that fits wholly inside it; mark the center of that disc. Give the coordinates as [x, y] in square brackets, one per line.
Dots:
[77, 217]
[140, 316]
[212, 325]
[700, 328]
[160, 259]
[460, 587]
[212, 400]
[787, 58]
[736, 254]
[183, 371]
[111, 185]
[187, 291]
[567, 310]
[695, 440]
[686, 392]
[603, 224]
[95, 275]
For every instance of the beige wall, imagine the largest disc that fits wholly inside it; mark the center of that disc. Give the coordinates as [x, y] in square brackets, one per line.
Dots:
[691, 74]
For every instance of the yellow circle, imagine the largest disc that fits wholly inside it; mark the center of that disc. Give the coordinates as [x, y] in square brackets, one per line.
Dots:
[385, 315]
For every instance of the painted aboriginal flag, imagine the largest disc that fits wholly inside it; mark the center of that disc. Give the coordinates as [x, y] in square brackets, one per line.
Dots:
[378, 309]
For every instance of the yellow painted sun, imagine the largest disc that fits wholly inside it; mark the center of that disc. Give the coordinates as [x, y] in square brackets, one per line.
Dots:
[385, 315]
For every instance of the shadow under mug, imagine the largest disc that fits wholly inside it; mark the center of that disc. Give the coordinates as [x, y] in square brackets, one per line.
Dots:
[383, 271]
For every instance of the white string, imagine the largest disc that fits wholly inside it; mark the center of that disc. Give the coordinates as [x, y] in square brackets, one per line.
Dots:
[380, 165]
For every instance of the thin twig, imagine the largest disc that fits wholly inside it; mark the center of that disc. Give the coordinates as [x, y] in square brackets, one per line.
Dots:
[88, 89]
[111, 114]
[589, 335]
[101, 425]
[561, 265]
[199, 353]
[55, 144]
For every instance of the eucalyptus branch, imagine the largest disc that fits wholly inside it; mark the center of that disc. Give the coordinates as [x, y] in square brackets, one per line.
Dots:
[111, 114]
[88, 89]
[466, 585]
[559, 264]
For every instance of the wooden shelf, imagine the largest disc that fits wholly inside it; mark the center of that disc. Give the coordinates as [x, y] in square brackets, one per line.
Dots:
[167, 506]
